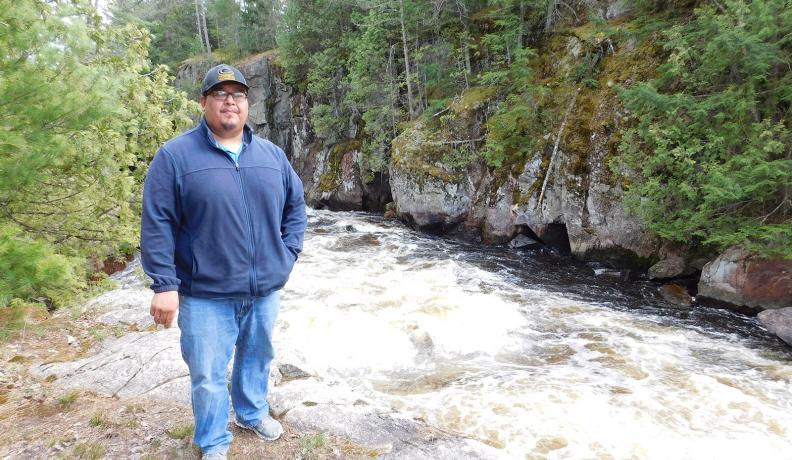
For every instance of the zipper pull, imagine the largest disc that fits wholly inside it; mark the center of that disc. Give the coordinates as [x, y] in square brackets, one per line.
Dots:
[237, 166]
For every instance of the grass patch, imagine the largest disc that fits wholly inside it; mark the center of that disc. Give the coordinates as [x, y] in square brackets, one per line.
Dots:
[99, 419]
[134, 408]
[69, 398]
[20, 317]
[88, 451]
[311, 446]
[181, 431]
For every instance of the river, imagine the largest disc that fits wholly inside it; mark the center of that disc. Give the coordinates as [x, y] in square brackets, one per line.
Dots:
[529, 351]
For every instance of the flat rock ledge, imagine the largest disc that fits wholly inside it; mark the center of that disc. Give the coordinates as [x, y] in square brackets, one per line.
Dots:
[149, 364]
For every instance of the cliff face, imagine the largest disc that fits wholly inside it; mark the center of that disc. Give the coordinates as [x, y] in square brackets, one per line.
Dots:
[565, 192]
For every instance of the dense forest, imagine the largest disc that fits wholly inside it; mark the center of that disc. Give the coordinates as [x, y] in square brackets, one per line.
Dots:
[705, 159]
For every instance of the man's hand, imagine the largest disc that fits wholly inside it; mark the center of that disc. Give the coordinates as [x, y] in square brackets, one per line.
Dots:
[164, 306]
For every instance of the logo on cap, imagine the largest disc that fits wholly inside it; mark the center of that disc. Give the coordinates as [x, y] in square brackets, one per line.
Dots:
[225, 74]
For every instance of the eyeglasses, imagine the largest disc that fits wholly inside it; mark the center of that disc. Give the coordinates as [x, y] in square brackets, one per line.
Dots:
[221, 95]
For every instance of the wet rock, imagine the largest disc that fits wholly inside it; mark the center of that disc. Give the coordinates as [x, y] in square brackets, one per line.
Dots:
[429, 203]
[612, 273]
[309, 406]
[779, 322]
[671, 267]
[499, 217]
[423, 343]
[698, 263]
[391, 436]
[390, 211]
[291, 372]
[676, 295]
[523, 242]
[736, 278]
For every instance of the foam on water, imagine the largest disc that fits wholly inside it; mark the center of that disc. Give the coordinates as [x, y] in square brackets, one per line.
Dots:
[407, 321]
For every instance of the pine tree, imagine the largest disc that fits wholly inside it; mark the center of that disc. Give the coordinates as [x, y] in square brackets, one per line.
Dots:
[712, 148]
[82, 113]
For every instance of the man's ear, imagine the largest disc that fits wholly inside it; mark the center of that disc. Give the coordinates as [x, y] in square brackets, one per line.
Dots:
[202, 101]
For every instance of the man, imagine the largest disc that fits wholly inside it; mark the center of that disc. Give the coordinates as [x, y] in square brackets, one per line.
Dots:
[223, 223]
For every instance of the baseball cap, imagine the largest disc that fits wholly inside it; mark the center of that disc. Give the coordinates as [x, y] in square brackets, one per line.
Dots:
[221, 74]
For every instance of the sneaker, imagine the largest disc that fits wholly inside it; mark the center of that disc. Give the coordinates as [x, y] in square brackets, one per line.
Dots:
[268, 428]
[215, 456]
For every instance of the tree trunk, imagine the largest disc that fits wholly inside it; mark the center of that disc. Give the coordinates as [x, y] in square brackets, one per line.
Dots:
[462, 10]
[393, 91]
[198, 22]
[521, 26]
[206, 31]
[551, 7]
[407, 71]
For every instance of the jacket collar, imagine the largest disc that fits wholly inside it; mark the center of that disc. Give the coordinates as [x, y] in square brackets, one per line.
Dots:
[247, 132]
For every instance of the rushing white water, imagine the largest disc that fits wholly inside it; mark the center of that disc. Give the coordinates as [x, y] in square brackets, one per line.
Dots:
[528, 353]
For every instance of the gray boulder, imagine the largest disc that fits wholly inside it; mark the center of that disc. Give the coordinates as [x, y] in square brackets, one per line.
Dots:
[671, 267]
[779, 322]
[430, 203]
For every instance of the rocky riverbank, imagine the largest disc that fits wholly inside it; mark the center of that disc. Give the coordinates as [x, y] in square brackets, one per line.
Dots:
[128, 396]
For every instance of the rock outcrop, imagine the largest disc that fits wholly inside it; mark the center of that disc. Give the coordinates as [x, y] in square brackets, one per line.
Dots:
[565, 191]
[741, 280]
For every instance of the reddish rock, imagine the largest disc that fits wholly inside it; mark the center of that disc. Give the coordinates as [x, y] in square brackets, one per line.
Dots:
[676, 295]
[112, 265]
[739, 279]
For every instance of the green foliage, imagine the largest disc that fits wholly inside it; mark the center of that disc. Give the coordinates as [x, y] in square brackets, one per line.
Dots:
[515, 126]
[171, 23]
[711, 147]
[181, 431]
[88, 451]
[312, 446]
[82, 114]
[69, 398]
[30, 268]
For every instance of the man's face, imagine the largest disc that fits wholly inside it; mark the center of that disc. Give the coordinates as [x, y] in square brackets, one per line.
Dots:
[226, 116]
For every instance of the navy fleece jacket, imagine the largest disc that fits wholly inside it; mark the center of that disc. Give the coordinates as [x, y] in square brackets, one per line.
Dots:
[215, 228]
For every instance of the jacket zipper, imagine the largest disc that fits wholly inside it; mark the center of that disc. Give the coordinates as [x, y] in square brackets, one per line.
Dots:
[251, 246]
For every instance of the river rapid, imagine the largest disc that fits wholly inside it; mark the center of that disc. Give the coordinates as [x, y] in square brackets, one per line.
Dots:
[529, 351]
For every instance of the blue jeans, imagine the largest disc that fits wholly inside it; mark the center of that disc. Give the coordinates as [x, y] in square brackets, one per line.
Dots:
[210, 329]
